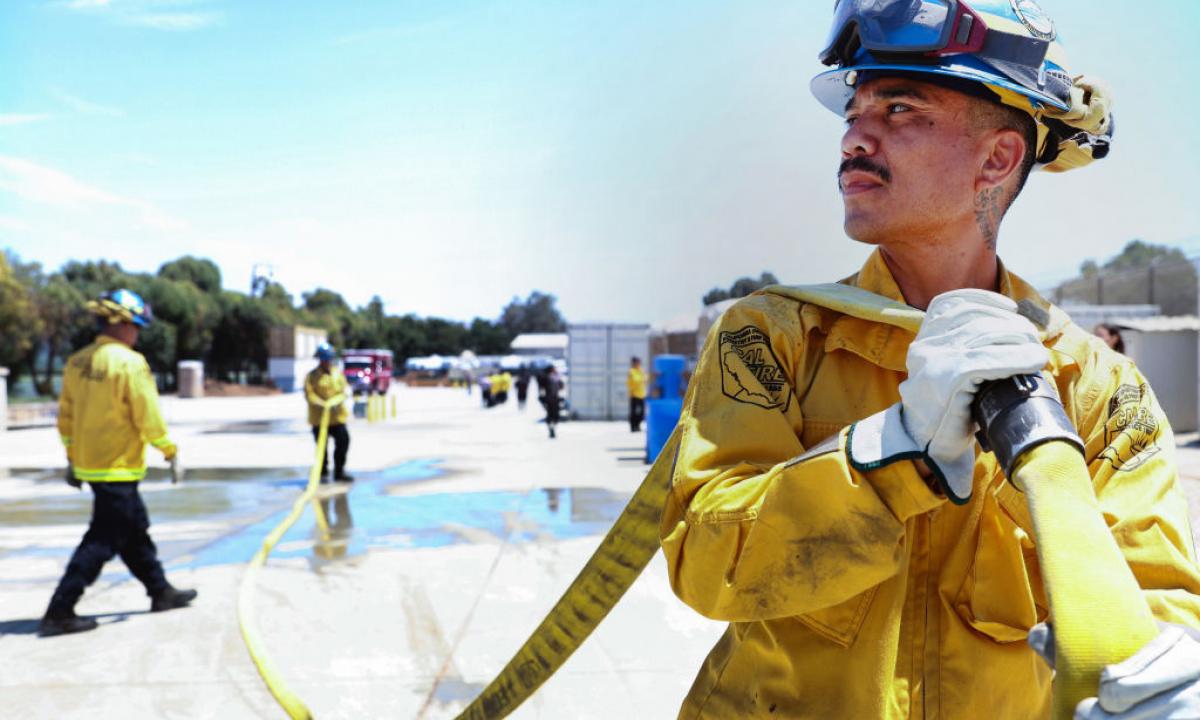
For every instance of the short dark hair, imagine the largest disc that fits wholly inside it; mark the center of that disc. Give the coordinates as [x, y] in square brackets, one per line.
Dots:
[992, 115]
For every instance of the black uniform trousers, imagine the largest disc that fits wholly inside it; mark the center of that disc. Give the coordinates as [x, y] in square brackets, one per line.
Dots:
[120, 526]
[637, 413]
[339, 437]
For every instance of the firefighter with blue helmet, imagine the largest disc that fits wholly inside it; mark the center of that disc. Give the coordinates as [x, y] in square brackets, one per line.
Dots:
[107, 413]
[828, 498]
[324, 383]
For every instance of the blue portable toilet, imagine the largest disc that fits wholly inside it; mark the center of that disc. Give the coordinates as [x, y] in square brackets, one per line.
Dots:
[662, 413]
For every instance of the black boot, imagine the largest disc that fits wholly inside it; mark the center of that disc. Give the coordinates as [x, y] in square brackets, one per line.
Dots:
[171, 598]
[64, 622]
[343, 477]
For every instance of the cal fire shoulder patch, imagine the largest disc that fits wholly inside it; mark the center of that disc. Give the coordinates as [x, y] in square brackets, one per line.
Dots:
[1132, 429]
[750, 372]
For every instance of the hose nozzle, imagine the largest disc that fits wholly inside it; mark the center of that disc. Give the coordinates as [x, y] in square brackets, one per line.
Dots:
[1018, 414]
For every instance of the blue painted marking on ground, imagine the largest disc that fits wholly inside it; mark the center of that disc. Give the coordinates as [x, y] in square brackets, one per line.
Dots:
[369, 517]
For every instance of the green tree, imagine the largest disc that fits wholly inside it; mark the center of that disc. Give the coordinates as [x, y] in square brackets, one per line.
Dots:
[239, 338]
[202, 272]
[93, 277]
[1139, 254]
[407, 337]
[445, 337]
[19, 321]
[487, 338]
[327, 309]
[185, 318]
[1142, 273]
[741, 287]
[369, 325]
[64, 322]
[535, 314]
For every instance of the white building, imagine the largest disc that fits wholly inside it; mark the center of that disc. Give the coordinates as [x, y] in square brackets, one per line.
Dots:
[552, 345]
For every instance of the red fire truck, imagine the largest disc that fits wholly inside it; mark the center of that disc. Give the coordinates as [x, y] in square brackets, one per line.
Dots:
[368, 370]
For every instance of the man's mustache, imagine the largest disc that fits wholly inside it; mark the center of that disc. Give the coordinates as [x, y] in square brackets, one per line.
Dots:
[864, 164]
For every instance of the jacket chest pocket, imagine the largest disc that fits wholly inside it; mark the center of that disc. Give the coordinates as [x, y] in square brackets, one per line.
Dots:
[1002, 595]
[815, 431]
[842, 622]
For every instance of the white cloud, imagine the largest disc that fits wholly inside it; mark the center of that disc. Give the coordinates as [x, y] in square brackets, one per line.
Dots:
[13, 224]
[173, 21]
[9, 119]
[87, 107]
[167, 15]
[46, 186]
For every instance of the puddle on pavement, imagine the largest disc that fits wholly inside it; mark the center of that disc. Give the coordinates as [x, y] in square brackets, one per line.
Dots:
[371, 514]
[368, 516]
[260, 427]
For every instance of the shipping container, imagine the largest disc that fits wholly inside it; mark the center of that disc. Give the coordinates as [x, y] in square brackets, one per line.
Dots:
[1165, 350]
[294, 341]
[288, 374]
[597, 363]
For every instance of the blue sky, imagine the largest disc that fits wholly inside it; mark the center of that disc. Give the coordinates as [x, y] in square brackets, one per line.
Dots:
[625, 156]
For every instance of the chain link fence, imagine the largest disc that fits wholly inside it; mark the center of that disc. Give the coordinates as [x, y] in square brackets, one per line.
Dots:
[1171, 286]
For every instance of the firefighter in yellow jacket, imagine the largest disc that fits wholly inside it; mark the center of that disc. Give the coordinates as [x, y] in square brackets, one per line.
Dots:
[107, 413]
[829, 500]
[635, 383]
[326, 382]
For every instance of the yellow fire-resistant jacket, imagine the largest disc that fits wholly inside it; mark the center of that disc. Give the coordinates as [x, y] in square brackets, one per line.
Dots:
[865, 595]
[320, 386]
[108, 411]
[635, 382]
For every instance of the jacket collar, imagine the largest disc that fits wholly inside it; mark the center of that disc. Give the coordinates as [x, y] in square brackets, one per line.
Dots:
[887, 346]
[108, 340]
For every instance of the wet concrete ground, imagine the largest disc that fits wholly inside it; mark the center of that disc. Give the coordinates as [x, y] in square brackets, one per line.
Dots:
[461, 529]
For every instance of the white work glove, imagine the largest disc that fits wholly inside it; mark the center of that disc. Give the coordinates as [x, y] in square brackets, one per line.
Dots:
[176, 469]
[968, 337]
[1160, 682]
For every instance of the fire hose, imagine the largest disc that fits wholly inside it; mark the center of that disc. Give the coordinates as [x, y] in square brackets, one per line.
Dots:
[287, 699]
[1085, 576]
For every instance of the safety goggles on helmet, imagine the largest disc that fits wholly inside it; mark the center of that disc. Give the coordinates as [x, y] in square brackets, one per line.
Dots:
[122, 306]
[928, 31]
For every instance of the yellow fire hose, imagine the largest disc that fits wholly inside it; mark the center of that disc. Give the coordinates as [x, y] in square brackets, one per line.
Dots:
[291, 703]
[1087, 579]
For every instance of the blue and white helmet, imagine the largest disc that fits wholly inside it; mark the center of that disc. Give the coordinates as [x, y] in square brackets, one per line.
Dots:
[1011, 47]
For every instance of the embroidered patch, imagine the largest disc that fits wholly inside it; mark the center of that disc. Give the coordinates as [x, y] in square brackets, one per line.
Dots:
[750, 372]
[1131, 430]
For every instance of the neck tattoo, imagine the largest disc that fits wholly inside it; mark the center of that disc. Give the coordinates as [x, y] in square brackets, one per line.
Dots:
[989, 208]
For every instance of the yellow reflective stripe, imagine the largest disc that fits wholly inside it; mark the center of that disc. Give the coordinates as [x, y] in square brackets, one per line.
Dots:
[162, 442]
[110, 474]
[66, 441]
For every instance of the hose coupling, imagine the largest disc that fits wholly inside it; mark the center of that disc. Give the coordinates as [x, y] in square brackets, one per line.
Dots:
[1018, 414]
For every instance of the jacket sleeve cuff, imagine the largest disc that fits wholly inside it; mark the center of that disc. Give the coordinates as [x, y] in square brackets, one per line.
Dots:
[881, 440]
[881, 450]
[165, 445]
